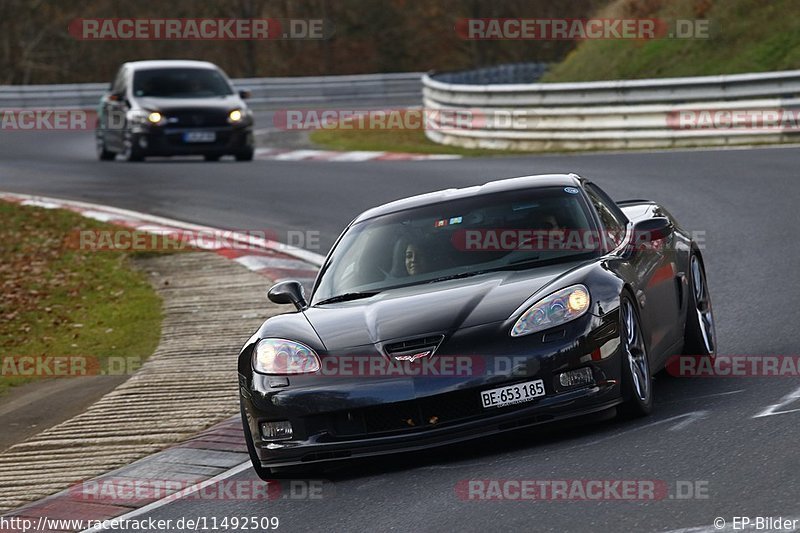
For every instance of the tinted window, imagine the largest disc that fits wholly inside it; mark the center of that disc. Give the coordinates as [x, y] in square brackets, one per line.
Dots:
[509, 230]
[180, 83]
[614, 222]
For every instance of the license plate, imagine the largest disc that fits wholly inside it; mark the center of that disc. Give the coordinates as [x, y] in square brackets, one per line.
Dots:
[511, 394]
[199, 137]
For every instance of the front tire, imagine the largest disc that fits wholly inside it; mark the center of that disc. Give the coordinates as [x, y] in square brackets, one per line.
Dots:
[637, 380]
[132, 151]
[102, 153]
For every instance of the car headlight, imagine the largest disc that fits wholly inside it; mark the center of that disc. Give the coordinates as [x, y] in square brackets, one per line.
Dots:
[553, 310]
[281, 357]
[237, 115]
[140, 116]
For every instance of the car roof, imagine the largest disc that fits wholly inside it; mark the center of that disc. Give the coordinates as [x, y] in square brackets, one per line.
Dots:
[502, 185]
[170, 63]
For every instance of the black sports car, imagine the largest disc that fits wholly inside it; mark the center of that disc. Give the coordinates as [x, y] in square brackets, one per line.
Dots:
[166, 108]
[468, 312]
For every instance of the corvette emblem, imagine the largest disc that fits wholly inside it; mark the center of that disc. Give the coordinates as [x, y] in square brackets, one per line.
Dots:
[414, 357]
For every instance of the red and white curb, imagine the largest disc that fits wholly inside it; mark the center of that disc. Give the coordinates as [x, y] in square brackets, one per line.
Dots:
[278, 154]
[273, 259]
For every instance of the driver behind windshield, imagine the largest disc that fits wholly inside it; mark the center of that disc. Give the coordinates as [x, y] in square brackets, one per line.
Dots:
[410, 256]
[415, 260]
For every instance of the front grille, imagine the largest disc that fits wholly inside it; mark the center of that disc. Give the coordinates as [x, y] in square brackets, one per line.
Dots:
[413, 346]
[196, 118]
[453, 407]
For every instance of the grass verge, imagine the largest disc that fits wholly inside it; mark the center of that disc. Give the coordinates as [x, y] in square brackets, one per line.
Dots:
[62, 302]
[745, 36]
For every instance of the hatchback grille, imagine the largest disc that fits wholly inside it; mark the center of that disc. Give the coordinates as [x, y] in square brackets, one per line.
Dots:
[196, 118]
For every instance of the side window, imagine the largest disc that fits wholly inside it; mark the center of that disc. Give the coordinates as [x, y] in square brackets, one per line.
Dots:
[118, 87]
[612, 218]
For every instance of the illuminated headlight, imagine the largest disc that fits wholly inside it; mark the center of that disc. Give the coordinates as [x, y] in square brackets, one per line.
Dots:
[282, 357]
[554, 310]
[235, 116]
[145, 117]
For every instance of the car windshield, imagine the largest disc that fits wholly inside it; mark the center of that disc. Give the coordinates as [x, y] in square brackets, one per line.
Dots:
[180, 83]
[459, 238]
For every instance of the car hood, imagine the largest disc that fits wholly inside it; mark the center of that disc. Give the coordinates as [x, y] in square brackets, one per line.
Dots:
[177, 104]
[433, 308]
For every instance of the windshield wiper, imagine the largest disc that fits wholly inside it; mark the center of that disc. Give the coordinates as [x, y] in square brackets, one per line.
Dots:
[513, 265]
[519, 263]
[457, 276]
[346, 297]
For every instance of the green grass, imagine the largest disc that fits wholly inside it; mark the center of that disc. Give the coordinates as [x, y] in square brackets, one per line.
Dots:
[60, 301]
[746, 36]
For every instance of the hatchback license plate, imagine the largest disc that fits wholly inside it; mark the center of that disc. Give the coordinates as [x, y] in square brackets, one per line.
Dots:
[199, 137]
[511, 394]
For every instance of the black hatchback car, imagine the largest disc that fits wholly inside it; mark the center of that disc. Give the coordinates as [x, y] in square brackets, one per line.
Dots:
[469, 312]
[166, 108]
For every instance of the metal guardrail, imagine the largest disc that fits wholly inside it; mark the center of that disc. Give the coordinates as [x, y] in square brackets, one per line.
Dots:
[266, 92]
[507, 73]
[610, 114]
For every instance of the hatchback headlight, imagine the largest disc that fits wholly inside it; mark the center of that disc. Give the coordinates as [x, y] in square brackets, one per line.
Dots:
[235, 116]
[553, 310]
[282, 357]
[140, 116]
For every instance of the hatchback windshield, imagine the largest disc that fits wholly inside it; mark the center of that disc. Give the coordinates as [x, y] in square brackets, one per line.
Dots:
[460, 238]
[180, 83]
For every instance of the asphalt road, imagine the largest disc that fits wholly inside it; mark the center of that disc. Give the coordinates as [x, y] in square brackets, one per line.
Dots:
[703, 432]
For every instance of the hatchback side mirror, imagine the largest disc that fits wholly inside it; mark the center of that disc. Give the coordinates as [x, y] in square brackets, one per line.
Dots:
[244, 94]
[288, 292]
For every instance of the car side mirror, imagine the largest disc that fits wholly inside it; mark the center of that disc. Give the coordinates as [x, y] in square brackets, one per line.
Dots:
[288, 292]
[648, 231]
[244, 94]
[114, 97]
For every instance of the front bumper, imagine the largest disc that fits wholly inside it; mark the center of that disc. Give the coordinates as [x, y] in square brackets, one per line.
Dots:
[343, 417]
[228, 140]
